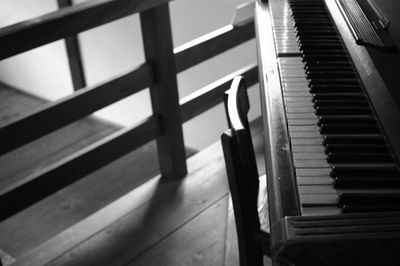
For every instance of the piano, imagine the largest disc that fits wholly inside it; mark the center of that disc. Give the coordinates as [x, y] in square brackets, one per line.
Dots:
[329, 75]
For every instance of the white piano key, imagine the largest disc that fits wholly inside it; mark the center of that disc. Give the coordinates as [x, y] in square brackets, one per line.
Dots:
[309, 156]
[307, 99]
[296, 94]
[298, 103]
[313, 128]
[293, 122]
[300, 110]
[311, 164]
[313, 171]
[307, 148]
[305, 135]
[311, 141]
[314, 180]
[325, 210]
[301, 115]
[318, 200]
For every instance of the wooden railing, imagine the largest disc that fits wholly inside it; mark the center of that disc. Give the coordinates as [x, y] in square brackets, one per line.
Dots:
[157, 73]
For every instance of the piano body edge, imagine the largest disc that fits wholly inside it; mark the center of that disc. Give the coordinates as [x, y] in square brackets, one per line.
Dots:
[278, 163]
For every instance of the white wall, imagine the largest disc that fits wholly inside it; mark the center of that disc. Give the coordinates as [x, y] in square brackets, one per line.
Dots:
[117, 47]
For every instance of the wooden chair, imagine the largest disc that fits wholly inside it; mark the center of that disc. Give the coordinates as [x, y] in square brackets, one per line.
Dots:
[243, 176]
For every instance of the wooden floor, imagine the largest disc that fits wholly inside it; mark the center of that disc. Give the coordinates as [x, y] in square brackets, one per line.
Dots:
[124, 213]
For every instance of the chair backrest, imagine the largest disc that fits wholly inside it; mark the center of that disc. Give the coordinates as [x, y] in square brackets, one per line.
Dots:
[242, 173]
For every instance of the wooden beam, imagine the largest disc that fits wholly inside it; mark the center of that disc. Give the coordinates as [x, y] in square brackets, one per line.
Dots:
[69, 109]
[74, 54]
[49, 180]
[211, 95]
[66, 22]
[212, 44]
[157, 43]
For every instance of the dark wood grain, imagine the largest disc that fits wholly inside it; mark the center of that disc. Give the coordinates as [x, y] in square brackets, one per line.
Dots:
[46, 219]
[212, 44]
[158, 48]
[66, 22]
[199, 242]
[74, 54]
[57, 114]
[139, 220]
[211, 95]
[37, 186]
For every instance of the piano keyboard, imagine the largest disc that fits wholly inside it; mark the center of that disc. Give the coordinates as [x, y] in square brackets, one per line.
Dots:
[341, 158]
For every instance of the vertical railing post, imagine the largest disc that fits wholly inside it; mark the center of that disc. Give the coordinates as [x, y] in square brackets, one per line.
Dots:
[74, 54]
[158, 48]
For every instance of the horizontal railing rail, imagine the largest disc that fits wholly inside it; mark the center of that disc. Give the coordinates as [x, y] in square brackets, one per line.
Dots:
[158, 74]
[211, 95]
[66, 22]
[55, 115]
[212, 44]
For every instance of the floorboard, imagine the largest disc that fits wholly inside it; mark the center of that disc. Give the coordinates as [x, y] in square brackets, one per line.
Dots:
[14, 103]
[117, 216]
[198, 242]
[150, 213]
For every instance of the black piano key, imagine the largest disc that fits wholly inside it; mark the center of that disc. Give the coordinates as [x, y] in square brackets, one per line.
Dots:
[316, 37]
[386, 170]
[313, 27]
[322, 51]
[344, 68]
[369, 199]
[320, 45]
[370, 148]
[316, 18]
[350, 119]
[306, 4]
[338, 96]
[320, 103]
[317, 74]
[306, 23]
[353, 139]
[332, 88]
[366, 182]
[337, 64]
[319, 41]
[329, 82]
[325, 57]
[358, 208]
[339, 110]
[309, 11]
[314, 32]
[356, 157]
[349, 128]
[304, 15]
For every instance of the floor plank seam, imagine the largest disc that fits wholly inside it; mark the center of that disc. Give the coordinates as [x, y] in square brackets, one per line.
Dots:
[177, 228]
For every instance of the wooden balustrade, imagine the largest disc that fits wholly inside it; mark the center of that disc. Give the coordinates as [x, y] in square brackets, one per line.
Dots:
[158, 73]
